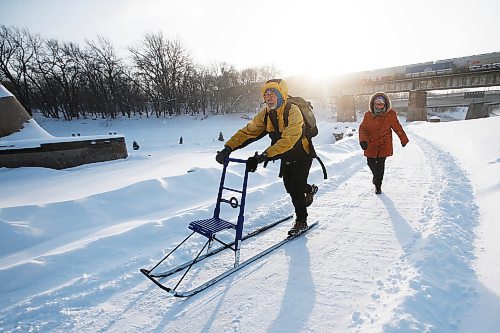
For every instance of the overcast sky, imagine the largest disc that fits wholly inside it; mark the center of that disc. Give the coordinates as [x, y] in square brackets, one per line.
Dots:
[298, 37]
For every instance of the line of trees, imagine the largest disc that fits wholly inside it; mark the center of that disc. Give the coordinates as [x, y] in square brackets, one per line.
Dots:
[155, 77]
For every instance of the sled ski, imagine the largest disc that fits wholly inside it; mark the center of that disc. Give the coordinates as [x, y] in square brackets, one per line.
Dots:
[219, 249]
[210, 228]
[216, 279]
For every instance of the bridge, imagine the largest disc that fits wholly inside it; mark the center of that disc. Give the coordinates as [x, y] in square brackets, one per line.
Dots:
[438, 82]
[479, 71]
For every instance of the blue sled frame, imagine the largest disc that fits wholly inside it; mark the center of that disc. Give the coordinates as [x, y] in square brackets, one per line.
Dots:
[209, 228]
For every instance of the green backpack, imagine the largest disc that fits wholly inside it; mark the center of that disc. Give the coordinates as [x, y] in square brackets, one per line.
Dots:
[306, 108]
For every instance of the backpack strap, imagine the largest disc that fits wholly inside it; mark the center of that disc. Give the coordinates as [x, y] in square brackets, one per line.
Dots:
[311, 146]
[325, 176]
[274, 121]
[286, 112]
[273, 116]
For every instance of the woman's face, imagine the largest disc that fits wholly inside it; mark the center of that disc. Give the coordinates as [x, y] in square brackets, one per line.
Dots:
[379, 104]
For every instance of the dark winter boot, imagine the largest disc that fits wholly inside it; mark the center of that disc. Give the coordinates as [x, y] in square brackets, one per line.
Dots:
[297, 228]
[378, 188]
[310, 195]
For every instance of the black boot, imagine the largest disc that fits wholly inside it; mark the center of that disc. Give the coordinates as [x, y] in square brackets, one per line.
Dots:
[297, 228]
[378, 188]
[310, 195]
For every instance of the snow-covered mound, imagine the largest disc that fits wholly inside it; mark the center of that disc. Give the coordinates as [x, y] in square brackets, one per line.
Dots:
[4, 92]
[31, 131]
[15, 122]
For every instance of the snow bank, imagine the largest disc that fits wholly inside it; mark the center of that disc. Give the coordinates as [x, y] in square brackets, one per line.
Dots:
[4, 92]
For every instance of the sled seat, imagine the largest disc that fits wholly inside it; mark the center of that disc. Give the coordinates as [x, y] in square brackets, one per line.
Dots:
[211, 226]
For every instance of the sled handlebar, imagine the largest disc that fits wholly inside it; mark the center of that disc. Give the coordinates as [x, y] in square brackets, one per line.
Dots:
[237, 160]
[251, 162]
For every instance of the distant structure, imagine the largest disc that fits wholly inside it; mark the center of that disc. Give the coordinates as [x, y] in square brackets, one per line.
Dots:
[345, 109]
[417, 106]
[477, 110]
[135, 145]
[23, 143]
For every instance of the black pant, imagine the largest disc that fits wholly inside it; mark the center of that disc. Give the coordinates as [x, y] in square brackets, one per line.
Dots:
[295, 175]
[377, 166]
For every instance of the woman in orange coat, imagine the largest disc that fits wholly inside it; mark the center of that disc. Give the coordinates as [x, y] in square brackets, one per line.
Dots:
[375, 135]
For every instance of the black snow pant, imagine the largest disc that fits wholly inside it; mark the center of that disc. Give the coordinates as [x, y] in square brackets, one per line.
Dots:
[377, 166]
[295, 175]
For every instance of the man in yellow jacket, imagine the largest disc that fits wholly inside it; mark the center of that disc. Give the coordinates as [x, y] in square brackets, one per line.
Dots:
[288, 143]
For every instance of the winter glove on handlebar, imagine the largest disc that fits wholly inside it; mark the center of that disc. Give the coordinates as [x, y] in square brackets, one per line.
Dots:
[261, 158]
[364, 145]
[222, 155]
[253, 161]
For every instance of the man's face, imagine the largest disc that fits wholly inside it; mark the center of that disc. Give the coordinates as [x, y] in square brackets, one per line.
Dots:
[271, 99]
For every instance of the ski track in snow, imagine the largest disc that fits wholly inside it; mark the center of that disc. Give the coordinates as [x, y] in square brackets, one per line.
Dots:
[372, 264]
[434, 270]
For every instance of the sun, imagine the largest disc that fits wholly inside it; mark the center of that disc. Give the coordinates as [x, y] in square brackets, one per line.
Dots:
[327, 42]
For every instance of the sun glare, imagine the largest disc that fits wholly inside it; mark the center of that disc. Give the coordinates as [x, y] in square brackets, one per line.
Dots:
[317, 40]
[328, 43]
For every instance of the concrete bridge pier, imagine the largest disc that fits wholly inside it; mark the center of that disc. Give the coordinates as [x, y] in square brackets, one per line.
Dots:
[477, 110]
[346, 111]
[417, 106]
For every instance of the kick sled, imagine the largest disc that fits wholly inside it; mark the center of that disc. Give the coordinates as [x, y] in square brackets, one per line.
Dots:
[211, 228]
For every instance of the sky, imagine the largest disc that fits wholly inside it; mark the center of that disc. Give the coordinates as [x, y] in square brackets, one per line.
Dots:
[423, 256]
[318, 38]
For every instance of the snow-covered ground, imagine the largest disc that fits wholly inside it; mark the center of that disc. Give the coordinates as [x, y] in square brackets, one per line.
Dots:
[422, 257]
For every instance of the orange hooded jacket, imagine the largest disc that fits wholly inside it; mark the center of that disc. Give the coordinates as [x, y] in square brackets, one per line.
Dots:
[376, 130]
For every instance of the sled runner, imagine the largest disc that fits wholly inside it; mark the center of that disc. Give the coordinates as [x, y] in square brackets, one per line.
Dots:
[209, 228]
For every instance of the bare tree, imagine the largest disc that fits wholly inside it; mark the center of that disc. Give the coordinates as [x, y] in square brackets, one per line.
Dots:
[57, 79]
[267, 73]
[16, 57]
[72, 81]
[105, 77]
[206, 83]
[160, 66]
[249, 75]
[178, 65]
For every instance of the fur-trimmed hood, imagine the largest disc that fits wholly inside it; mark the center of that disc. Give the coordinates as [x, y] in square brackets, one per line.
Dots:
[379, 94]
[278, 84]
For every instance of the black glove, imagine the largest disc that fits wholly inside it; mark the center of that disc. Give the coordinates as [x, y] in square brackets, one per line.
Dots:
[222, 155]
[364, 145]
[261, 158]
[253, 161]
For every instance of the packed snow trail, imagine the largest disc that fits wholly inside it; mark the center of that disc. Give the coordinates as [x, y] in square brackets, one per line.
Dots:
[435, 269]
[390, 262]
